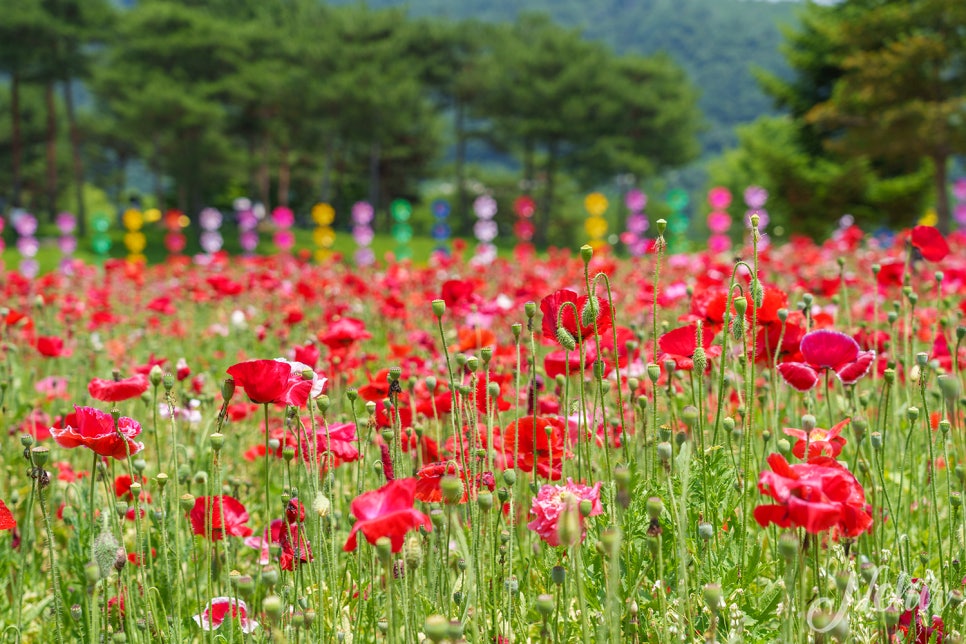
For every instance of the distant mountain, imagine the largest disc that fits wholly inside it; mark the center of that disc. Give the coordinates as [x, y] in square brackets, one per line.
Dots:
[718, 42]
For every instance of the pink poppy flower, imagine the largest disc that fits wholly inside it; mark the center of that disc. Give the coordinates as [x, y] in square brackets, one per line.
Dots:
[221, 608]
[827, 350]
[553, 501]
[233, 522]
[95, 430]
[387, 512]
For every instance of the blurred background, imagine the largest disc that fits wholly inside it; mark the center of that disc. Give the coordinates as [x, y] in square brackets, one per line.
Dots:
[852, 107]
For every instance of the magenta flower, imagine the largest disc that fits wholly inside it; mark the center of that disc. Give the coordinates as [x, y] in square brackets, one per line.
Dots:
[553, 501]
[827, 350]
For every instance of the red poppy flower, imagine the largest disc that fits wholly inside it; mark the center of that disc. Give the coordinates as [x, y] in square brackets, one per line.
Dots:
[827, 350]
[387, 512]
[547, 452]
[428, 479]
[264, 381]
[304, 384]
[550, 307]
[560, 363]
[233, 523]
[818, 496]
[295, 547]
[338, 440]
[37, 424]
[343, 333]
[930, 242]
[679, 345]
[458, 295]
[821, 442]
[308, 353]
[95, 430]
[51, 346]
[118, 390]
[7, 522]
[912, 621]
[221, 608]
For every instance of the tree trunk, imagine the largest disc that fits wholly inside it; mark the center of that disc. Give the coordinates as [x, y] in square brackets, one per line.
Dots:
[462, 209]
[375, 153]
[546, 213]
[16, 139]
[284, 176]
[77, 161]
[263, 175]
[326, 191]
[51, 139]
[942, 193]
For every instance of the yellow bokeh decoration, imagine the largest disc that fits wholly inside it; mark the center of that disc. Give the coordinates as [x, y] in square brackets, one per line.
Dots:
[132, 219]
[930, 218]
[323, 214]
[596, 227]
[183, 221]
[151, 215]
[322, 254]
[596, 204]
[137, 258]
[323, 236]
[135, 242]
[597, 244]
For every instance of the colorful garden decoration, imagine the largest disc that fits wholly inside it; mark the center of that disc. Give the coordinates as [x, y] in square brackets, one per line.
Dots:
[210, 221]
[633, 238]
[247, 225]
[67, 243]
[524, 207]
[134, 240]
[25, 224]
[719, 221]
[284, 219]
[100, 239]
[959, 207]
[402, 231]
[175, 240]
[362, 233]
[485, 229]
[324, 237]
[441, 230]
[596, 226]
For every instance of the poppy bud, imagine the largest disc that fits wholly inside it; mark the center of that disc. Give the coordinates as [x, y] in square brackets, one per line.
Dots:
[712, 597]
[912, 413]
[960, 332]
[565, 339]
[664, 452]
[544, 604]
[92, 572]
[370, 408]
[168, 381]
[439, 308]
[741, 305]
[655, 508]
[661, 225]
[558, 575]
[451, 488]
[516, 329]
[485, 500]
[272, 605]
[436, 628]
[352, 394]
[788, 546]
[653, 372]
[217, 441]
[40, 455]
[949, 386]
[876, 441]
[642, 403]
[530, 309]
[187, 502]
[26, 440]
[738, 329]
[156, 375]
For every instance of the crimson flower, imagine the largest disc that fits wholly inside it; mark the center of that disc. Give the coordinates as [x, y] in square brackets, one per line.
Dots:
[233, 522]
[550, 307]
[540, 443]
[264, 381]
[95, 430]
[7, 522]
[821, 442]
[344, 333]
[681, 343]
[338, 440]
[827, 350]
[300, 388]
[930, 242]
[818, 496]
[387, 512]
[51, 346]
[117, 390]
[295, 547]
[553, 502]
[428, 479]
[912, 621]
[220, 608]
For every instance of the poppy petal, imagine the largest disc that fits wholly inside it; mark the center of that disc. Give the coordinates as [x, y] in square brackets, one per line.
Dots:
[930, 243]
[799, 375]
[827, 349]
[851, 372]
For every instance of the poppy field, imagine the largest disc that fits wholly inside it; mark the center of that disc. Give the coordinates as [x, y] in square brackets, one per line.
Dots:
[766, 445]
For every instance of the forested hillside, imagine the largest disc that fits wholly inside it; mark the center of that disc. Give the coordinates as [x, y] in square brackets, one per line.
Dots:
[718, 42]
